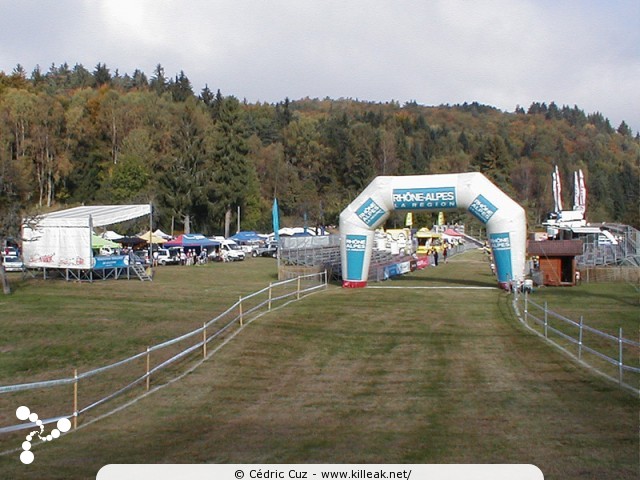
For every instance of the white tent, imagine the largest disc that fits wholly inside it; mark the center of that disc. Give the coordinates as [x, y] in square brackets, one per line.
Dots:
[160, 233]
[111, 235]
[63, 239]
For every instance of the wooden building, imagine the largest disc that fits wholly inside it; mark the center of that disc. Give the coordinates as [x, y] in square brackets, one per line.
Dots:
[556, 260]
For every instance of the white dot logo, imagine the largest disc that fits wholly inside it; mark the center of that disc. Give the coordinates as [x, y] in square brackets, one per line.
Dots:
[23, 413]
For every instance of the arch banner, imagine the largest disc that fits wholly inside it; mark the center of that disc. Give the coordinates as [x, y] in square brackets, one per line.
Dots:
[504, 219]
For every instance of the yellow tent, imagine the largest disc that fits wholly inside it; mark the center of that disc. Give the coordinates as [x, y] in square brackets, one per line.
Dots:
[151, 238]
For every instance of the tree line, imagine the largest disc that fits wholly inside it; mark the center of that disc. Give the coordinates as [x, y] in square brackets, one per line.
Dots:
[71, 136]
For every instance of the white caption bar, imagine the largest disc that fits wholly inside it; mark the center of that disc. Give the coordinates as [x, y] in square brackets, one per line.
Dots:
[319, 472]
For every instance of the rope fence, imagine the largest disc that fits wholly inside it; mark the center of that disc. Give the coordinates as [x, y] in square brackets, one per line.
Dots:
[84, 394]
[613, 356]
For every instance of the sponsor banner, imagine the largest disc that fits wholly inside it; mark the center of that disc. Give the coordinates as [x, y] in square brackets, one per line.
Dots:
[391, 270]
[424, 198]
[370, 212]
[501, 247]
[423, 262]
[356, 246]
[112, 261]
[482, 209]
[404, 267]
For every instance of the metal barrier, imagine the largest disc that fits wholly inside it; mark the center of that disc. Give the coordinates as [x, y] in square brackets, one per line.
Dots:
[146, 366]
[615, 357]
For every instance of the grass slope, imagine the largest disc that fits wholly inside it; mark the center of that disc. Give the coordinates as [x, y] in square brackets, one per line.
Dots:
[374, 375]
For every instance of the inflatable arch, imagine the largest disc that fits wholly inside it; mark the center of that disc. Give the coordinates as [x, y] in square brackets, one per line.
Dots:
[504, 219]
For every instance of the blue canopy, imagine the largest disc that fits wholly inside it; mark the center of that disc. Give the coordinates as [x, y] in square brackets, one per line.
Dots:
[246, 237]
[192, 240]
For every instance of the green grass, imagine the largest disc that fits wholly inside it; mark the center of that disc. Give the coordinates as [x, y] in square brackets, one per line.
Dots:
[605, 306]
[421, 375]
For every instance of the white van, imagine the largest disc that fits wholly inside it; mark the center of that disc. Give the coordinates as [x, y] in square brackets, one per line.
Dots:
[231, 250]
[228, 251]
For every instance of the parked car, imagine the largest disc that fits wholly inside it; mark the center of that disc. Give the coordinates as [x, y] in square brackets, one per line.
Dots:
[165, 257]
[268, 250]
[229, 251]
[12, 263]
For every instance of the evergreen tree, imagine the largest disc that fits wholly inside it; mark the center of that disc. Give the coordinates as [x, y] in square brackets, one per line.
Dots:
[101, 74]
[187, 180]
[235, 178]
[158, 80]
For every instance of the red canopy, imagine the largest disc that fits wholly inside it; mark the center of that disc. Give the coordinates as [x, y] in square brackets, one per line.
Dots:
[452, 233]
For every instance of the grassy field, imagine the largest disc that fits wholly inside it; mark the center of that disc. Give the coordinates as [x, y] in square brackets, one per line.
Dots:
[416, 374]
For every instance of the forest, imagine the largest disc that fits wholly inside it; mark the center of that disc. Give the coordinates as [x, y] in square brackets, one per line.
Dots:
[72, 136]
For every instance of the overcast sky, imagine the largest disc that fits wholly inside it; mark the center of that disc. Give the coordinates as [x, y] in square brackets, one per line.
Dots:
[502, 53]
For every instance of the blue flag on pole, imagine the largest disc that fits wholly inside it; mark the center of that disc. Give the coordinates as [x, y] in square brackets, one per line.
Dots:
[275, 219]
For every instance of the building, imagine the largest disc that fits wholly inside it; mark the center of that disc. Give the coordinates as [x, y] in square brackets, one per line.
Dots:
[556, 261]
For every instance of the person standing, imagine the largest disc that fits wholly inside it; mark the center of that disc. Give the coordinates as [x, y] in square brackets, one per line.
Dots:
[435, 257]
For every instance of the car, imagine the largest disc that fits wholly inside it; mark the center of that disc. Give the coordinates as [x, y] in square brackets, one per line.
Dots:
[12, 263]
[229, 251]
[268, 250]
[165, 257]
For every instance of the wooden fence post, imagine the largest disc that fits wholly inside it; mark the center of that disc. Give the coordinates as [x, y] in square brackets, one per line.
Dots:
[204, 340]
[240, 305]
[270, 295]
[580, 339]
[298, 293]
[620, 364]
[75, 398]
[148, 368]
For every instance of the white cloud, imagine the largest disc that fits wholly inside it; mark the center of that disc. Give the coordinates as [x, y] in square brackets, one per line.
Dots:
[498, 52]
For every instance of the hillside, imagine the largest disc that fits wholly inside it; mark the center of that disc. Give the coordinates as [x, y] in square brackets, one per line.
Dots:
[70, 136]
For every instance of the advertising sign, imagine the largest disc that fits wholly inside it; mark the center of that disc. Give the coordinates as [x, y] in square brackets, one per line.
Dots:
[424, 198]
[370, 212]
[482, 209]
[102, 262]
[501, 247]
[356, 246]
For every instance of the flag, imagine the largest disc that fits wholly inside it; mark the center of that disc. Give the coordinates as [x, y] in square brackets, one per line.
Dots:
[409, 220]
[275, 219]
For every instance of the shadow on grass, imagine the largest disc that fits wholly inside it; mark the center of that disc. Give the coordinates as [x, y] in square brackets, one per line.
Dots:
[444, 281]
[579, 294]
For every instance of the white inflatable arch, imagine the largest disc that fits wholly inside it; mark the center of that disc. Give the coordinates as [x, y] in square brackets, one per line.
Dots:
[504, 219]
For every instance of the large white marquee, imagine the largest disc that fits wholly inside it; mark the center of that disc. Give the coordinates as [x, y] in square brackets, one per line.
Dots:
[504, 219]
[63, 239]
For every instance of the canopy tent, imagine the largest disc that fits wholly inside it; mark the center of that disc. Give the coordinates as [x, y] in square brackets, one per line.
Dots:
[160, 233]
[192, 240]
[452, 233]
[111, 235]
[98, 215]
[63, 239]
[296, 232]
[152, 238]
[99, 242]
[130, 241]
[248, 237]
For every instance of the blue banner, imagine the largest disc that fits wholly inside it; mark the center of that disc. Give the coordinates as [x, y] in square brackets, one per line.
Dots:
[275, 218]
[424, 198]
[101, 262]
[482, 209]
[355, 247]
[370, 212]
[501, 247]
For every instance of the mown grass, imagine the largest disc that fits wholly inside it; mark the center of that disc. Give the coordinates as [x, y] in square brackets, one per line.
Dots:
[605, 306]
[411, 375]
